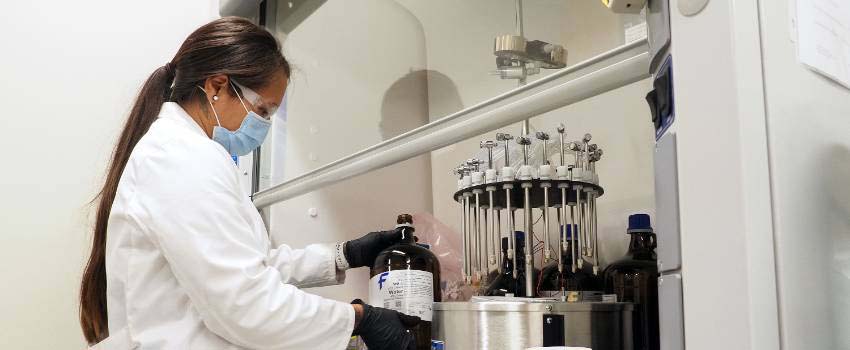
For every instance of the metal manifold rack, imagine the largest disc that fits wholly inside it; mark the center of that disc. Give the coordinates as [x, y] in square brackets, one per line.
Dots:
[485, 194]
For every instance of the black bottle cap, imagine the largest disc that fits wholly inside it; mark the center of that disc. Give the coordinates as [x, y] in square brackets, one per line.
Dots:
[404, 219]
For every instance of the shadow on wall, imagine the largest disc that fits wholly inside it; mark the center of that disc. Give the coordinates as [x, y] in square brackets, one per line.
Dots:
[835, 185]
[405, 106]
[414, 99]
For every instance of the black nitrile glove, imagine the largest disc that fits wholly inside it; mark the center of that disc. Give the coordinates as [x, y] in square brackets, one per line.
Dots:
[385, 329]
[363, 251]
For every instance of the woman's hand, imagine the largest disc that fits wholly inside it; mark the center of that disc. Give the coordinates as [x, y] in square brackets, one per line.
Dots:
[363, 251]
[383, 329]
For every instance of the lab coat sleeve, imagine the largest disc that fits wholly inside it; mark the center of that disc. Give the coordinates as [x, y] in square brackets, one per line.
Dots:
[313, 266]
[190, 205]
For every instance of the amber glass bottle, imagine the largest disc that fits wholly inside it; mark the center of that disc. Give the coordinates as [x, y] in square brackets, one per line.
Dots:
[552, 280]
[635, 279]
[505, 284]
[406, 278]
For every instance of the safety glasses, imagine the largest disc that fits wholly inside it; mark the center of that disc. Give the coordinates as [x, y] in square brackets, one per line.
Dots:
[262, 108]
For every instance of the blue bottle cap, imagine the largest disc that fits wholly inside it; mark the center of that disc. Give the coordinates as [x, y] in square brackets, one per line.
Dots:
[639, 223]
[569, 231]
[520, 236]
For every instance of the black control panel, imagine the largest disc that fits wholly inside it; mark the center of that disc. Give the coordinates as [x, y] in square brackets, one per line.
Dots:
[553, 330]
[660, 99]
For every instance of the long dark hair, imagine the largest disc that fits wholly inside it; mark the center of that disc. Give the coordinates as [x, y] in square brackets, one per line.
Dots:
[230, 46]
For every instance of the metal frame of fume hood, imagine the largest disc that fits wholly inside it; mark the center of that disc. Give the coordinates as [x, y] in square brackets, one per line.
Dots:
[611, 70]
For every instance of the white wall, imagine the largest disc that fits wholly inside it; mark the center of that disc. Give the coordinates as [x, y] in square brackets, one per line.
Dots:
[70, 71]
[354, 84]
[809, 138]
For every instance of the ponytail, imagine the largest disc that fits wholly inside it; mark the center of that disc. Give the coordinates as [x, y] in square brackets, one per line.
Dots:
[93, 290]
[231, 46]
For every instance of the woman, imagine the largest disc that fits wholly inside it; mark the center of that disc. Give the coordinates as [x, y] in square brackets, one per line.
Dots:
[181, 258]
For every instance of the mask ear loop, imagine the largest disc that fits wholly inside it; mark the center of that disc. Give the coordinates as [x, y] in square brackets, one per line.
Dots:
[240, 97]
[211, 105]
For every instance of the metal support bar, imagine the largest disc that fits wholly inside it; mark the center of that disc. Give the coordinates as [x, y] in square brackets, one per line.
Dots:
[606, 72]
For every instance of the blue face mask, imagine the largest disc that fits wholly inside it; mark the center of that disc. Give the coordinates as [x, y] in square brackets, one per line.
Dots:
[250, 135]
[247, 138]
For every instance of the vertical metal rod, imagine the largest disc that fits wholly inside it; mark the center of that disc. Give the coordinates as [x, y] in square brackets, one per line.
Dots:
[561, 239]
[497, 223]
[511, 230]
[561, 133]
[584, 226]
[577, 227]
[465, 208]
[477, 240]
[491, 256]
[568, 228]
[519, 25]
[520, 31]
[546, 251]
[560, 249]
[529, 242]
[492, 250]
[595, 236]
[483, 246]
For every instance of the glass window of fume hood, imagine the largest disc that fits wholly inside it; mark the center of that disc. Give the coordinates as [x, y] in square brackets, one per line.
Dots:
[365, 71]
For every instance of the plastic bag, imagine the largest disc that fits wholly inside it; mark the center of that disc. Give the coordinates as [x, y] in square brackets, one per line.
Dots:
[447, 245]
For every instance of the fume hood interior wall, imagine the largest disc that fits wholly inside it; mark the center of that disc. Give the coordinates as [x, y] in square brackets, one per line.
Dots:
[370, 70]
[459, 54]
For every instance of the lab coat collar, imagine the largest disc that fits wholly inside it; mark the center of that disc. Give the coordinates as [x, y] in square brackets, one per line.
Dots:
[173, 111]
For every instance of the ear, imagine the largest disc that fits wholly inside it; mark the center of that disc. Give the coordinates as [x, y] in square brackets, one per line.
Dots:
[216, 85]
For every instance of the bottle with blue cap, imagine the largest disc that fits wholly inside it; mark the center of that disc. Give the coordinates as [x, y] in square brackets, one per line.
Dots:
[634, 279]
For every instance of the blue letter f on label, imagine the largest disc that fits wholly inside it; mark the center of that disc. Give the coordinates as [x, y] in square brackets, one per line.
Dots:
[381, 279]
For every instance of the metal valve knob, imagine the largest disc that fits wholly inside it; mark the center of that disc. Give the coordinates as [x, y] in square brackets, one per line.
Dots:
[488, 144]
[542, 135]
[474, 164]
[503, 137]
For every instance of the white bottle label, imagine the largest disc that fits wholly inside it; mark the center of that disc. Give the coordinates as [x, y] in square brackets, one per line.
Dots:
[410, 292]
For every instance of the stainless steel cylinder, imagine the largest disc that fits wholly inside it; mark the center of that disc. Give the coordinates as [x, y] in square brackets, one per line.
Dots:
[513, 325]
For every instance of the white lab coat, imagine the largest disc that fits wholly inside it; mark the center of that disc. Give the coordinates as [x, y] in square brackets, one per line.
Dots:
[189, 263]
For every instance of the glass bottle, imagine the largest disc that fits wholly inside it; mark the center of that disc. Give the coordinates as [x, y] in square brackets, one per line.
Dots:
[635, 279]
[505, 284]
[581, 280]
[406, 278]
